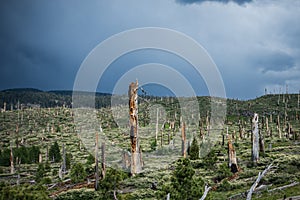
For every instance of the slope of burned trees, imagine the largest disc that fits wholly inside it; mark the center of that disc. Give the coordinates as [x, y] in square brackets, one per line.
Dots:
[229, 167]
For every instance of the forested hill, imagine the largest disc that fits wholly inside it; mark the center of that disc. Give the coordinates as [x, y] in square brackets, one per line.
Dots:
[30, 97]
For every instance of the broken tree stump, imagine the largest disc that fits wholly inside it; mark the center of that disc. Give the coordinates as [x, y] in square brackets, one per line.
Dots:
[232, 161]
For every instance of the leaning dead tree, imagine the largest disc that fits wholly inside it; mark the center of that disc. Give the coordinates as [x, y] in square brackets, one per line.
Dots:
[255, 138]
[255, 184]
[206, 190]
[136, 166]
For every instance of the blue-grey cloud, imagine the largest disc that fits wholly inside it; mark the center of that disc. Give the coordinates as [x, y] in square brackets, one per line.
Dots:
[43, 43]
[240, 2]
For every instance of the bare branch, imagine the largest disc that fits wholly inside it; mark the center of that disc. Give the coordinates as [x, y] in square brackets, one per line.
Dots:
[260, 176]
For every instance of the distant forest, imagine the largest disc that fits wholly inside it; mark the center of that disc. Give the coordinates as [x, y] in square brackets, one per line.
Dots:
[29, 97]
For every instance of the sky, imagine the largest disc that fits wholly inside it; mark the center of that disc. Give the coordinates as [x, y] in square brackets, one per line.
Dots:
[255, 44]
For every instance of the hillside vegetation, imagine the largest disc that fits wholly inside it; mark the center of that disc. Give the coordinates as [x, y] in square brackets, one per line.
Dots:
[52, 147]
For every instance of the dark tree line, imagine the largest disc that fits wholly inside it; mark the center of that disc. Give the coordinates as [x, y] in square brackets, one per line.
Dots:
[24, 155]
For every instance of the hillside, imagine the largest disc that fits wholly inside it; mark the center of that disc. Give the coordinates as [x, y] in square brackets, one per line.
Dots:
[32, 133]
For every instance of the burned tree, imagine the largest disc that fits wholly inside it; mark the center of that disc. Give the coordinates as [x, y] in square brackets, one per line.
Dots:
[232, 161]
[255, 138]
[133, 123]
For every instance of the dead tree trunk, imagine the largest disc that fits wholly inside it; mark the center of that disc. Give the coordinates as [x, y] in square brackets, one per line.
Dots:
[261, 143]
[255, 138]
[241, 132]
[260, 176]
[103, 160]
[278, 126]
[206, 190]
[96, 163]
[267, 126]
[12, 168]
[156, 126]
[183, 140]
[63, 167]
[232, 161]
[207, 124]
[133, 120]
[4, 107]
[200, 128]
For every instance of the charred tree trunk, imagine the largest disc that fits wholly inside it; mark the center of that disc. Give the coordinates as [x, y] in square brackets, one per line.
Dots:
[232, 161]
[133, 120]
[255, 138]
[261, 143]
[103, 160]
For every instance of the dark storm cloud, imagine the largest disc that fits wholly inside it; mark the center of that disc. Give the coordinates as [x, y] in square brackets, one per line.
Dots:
[240, 2]
[43, 43]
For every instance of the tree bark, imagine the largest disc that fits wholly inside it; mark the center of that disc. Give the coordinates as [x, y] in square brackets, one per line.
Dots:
[232, 161]
[133, 120]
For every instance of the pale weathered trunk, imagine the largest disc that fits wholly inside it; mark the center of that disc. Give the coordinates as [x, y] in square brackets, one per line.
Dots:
[96, 161]
[278, 126]
[241, 130]
[183, 140]
[267, 126]
[12, 168]
[255, 138]
[255, 184]
[63, 168]
[156, 126]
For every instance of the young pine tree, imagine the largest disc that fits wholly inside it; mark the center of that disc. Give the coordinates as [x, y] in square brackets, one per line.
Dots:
[194, 150]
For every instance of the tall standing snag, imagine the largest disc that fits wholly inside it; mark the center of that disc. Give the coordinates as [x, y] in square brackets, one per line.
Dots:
[255, 138]
[183, 140]
[96, 162]
[133, 123]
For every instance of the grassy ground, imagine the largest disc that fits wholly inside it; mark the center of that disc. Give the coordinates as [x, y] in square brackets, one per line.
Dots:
[42, 127]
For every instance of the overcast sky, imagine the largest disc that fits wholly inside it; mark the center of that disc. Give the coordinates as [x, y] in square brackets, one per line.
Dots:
[255, 44]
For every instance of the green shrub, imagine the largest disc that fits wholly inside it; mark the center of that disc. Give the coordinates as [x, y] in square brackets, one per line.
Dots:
[194, 150]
